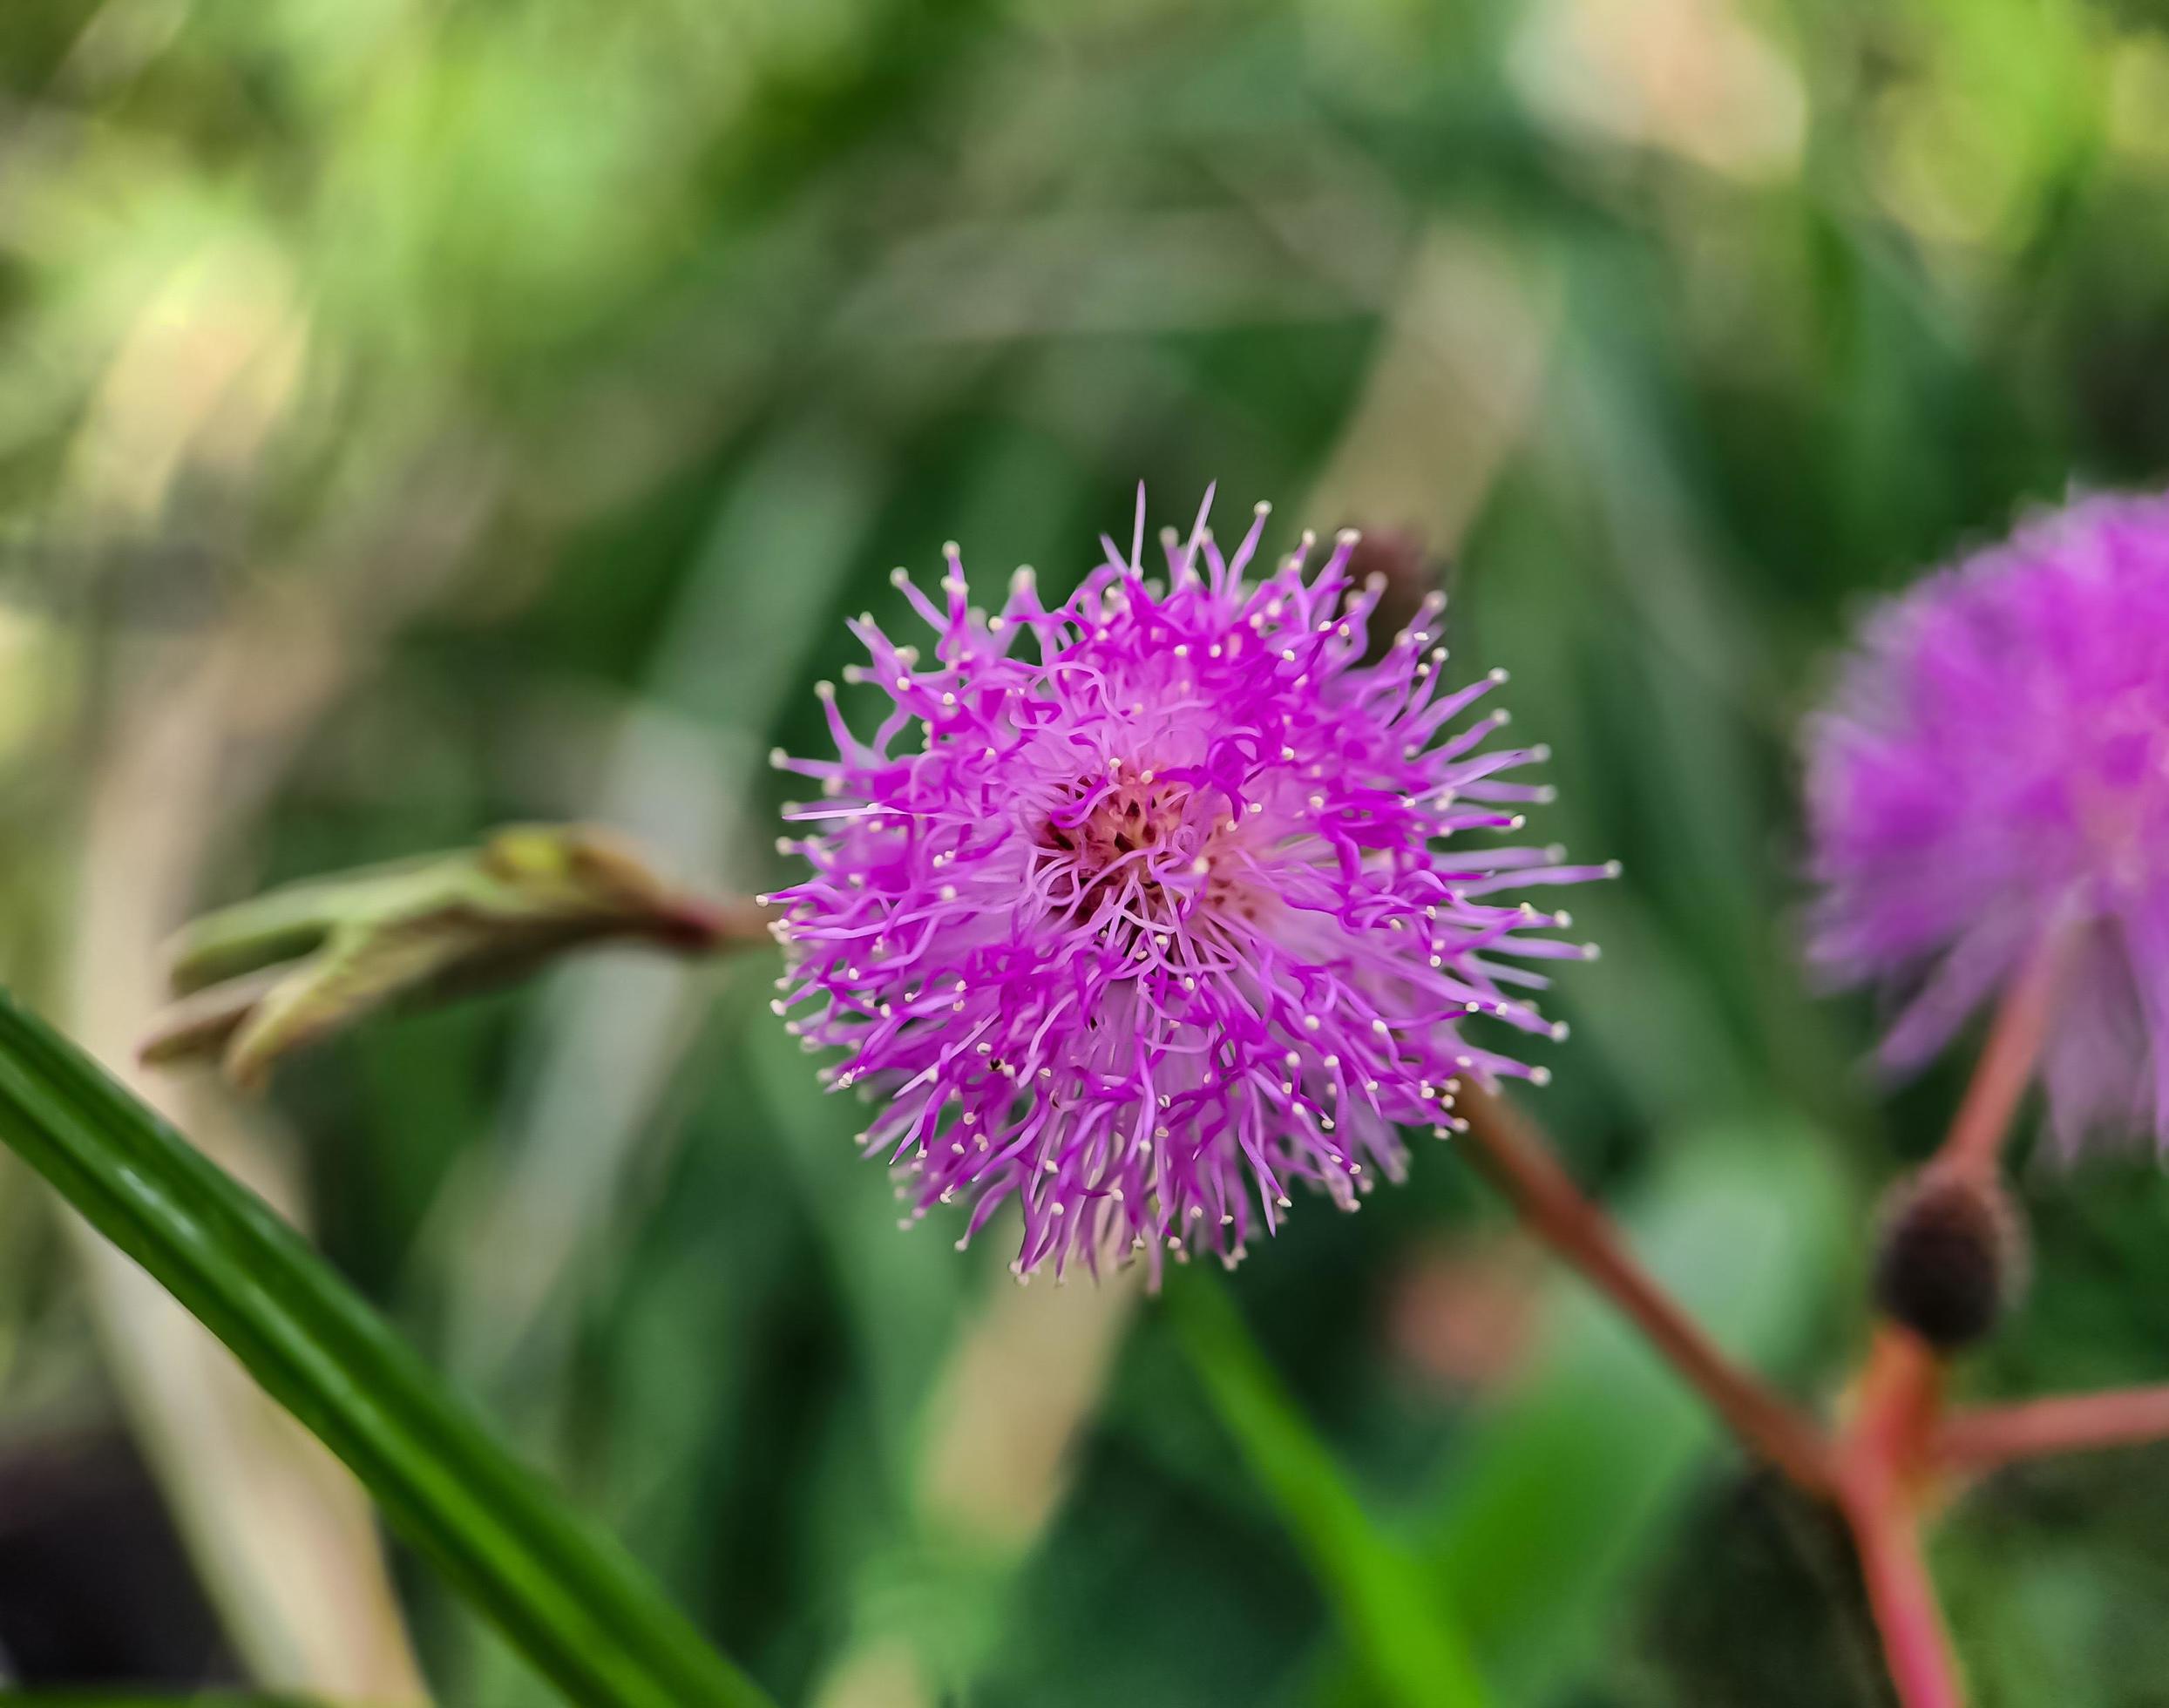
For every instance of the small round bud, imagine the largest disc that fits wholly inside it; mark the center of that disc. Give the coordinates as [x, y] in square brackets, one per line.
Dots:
[1951, 1257]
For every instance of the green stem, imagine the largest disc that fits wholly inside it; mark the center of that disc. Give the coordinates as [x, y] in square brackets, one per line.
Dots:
[1415, 1651]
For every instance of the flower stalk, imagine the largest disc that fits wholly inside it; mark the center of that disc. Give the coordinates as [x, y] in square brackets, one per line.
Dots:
[2006, 1067]
[1886, 1458]
[1878, 1483]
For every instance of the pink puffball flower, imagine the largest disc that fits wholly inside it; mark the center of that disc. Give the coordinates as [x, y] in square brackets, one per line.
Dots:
[1140, 910]
[1992, 772]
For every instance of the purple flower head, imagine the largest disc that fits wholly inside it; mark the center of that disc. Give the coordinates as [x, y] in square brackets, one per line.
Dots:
[1994, 768]
[1134, 910]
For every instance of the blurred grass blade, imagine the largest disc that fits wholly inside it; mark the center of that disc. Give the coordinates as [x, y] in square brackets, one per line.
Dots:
[564, 1594]
[1404, 1633]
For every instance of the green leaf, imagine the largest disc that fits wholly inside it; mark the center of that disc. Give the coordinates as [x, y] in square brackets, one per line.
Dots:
[564, 1593]
[1576, 1480]
[1561, 1495]
[1403, 1633]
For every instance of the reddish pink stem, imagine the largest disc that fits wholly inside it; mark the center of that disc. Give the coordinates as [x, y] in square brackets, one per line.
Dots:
[2000, 1079]
[1915, 1646]
[1897, 1434]
[1901, 1391]
[1992, 1436]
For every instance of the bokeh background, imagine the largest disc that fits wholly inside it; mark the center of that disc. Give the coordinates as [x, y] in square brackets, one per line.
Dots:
[416, 415]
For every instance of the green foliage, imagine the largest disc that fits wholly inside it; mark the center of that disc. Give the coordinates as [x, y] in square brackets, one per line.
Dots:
[567, 371]
[199, 1699]
[1575, 1482]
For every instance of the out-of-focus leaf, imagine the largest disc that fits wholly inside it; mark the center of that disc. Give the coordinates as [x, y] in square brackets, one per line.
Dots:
[1568, 1487]
[575, 1604]
[264, 977]
[125, 1699]
[1404, 1633]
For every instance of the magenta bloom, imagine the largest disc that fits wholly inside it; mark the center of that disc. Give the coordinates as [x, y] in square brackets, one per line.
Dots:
[1994, 766]
[1134, 910]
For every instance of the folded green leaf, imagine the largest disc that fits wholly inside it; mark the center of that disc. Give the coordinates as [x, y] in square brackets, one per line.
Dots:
[258, 980]
[564, 1593]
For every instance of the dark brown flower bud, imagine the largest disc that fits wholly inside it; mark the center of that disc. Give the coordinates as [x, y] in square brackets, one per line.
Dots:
[1408, 570]
[1952, 1256]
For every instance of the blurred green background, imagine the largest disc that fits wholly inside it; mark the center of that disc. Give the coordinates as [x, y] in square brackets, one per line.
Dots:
[417, 415]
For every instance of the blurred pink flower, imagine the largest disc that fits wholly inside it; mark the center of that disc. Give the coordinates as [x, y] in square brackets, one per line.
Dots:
[1994, 766]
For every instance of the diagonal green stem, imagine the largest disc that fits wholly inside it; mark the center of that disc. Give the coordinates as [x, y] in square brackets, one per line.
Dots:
[1415, 1651]
[563, 1592]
